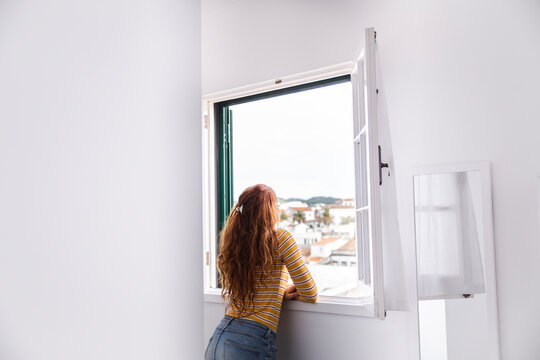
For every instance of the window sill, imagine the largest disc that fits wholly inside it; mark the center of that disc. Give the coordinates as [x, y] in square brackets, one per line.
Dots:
[325, 304]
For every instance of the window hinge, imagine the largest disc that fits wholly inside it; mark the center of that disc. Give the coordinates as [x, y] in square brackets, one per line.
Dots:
[205, 121]
[207, 258]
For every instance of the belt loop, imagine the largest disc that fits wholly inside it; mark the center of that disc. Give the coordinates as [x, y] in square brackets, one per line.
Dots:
[231, 318]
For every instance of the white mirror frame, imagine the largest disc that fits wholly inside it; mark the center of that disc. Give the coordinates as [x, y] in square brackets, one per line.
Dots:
[489, 261]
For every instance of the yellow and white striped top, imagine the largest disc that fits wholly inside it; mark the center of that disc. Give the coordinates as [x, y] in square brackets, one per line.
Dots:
[269, 293]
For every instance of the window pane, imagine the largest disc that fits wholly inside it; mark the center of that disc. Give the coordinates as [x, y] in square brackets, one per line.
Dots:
[360, 93]
[300, 145]
[362, 218]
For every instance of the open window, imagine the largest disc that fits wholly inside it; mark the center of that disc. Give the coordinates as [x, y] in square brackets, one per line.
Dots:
[313, 138]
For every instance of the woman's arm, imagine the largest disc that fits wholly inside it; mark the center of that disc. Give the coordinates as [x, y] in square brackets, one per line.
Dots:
[300, 275]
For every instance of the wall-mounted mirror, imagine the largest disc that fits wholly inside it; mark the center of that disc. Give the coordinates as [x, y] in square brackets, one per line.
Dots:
[457, 304]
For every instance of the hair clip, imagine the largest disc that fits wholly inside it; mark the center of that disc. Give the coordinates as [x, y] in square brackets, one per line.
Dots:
[239, 208]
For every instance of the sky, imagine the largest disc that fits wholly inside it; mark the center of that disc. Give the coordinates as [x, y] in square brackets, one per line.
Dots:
[299, 144]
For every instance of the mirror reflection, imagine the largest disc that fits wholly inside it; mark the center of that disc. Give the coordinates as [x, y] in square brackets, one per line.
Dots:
[450, 266]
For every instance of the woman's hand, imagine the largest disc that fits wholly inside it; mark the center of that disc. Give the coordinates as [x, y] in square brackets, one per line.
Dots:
[291, 293]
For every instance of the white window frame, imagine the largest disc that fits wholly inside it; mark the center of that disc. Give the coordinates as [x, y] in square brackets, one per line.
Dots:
[363, 79]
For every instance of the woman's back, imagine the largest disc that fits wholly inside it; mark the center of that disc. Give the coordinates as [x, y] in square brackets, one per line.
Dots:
[269, 293]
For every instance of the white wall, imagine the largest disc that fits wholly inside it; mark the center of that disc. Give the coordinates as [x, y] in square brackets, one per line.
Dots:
[459, 82]
[538, 206]
[100, 191]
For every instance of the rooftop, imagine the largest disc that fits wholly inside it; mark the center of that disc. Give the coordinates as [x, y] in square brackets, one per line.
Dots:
[335, 206]
[301, 208]
[349, 245]
[325, 241]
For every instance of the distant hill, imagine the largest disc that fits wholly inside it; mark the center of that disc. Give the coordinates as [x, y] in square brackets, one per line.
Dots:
[291, 199]
[327, 200]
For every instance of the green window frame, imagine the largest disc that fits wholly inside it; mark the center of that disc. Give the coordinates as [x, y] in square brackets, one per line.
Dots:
[224, 141]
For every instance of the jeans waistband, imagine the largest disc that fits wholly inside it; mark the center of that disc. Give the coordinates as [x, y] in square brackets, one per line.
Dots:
[247, 322]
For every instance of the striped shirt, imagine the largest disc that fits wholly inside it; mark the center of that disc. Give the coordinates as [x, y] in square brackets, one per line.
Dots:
[269, 293]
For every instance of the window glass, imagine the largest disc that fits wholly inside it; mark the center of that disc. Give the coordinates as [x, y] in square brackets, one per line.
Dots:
[302, 145]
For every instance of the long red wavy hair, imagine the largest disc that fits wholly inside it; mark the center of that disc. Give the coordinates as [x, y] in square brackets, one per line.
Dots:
[246, 245]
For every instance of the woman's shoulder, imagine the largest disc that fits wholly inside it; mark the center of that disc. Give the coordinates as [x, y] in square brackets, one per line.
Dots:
[283, 235]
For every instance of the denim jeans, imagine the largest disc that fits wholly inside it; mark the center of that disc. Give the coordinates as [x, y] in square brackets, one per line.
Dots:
[241, 339]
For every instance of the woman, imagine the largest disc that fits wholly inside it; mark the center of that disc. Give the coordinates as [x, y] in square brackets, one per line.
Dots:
[255, 262]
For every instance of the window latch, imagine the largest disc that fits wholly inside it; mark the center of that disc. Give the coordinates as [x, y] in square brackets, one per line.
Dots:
[381, 166]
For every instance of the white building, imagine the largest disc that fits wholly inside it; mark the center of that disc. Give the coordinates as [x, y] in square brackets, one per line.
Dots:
[345, 255]
[324, 247]
[318, 209]
[309, 214]
[341, 213]
[344, 230]
[304, 235]
[346, 202]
